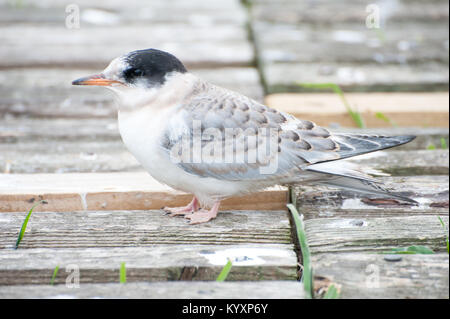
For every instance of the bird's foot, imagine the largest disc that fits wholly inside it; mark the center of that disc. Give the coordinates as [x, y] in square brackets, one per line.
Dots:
[184, 210]
[203, 215]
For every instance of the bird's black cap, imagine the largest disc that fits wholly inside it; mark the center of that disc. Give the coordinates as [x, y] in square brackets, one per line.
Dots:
[152, 65]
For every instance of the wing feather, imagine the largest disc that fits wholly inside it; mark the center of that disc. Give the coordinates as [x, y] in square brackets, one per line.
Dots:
[227, 129]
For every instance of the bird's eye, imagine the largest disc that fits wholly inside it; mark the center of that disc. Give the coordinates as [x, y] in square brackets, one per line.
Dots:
[133, 73]
[138, 72]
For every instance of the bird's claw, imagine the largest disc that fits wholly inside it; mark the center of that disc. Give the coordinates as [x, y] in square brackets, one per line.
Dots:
[177, 211]
[200, 217]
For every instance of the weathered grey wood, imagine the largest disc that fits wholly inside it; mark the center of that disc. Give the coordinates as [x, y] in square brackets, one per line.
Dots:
[67, 157]
[430, 191]
[331, 235]
[166, 290]
[56, 45]
[365, 275]
[352, 43]
[21, 130]
[194, 12]
[325, 12]
[49, 93]
[158, 263]
[142, 229]
[285, 77]
[291, 36]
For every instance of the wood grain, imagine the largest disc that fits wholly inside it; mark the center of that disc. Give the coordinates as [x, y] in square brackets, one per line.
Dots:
[332, 235]
[162, 290]
[142, 229]
[371, 276]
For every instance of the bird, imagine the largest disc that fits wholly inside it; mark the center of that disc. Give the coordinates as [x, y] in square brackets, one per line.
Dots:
[215, 143]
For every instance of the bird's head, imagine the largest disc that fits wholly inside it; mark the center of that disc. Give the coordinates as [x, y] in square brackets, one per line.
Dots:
[143, 71]
[138, 69]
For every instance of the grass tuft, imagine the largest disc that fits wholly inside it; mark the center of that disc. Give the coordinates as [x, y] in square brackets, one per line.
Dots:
[123, 273]
[446, 231]
[25, 223]
[225, 271]
[411, 250]
[307, 273]
[443, 143]
[382, 116]
[356, 116]
[55, 272]
[332, 293]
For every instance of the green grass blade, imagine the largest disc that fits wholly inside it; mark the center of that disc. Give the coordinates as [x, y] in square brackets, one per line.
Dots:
[443, 143]
[382, 116]
[356, 116]
[123, 273]
[332, 293]
[446, 231]
[25, 223]
[225, 271]
[415, 249]
[307, 274]
[55, 272]
[431, 147]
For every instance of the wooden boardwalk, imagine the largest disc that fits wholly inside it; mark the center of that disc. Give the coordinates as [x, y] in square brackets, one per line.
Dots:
[60, 144]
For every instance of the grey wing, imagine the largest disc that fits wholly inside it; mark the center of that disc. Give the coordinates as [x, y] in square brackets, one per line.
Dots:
[222, 134]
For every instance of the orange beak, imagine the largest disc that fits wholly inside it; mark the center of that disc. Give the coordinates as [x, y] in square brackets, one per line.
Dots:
[97, 79]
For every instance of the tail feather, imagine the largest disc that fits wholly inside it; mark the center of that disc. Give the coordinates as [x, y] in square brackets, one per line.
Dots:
[342, 176]
[357, 144]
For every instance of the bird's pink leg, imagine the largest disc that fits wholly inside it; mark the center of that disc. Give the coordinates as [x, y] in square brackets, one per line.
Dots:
[203, 215]
[184, 210]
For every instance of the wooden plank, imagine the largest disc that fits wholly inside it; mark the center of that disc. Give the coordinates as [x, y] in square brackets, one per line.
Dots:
[157, 263]
[403, 109]
[154, 247]
[326, 12]
[352, 43]
[56, 45]
[61, 130]
[372, 276]
[430, 191]
[332, 235]
[111, 191]
[97, 229]
[48, 92]
[195, 12]
[352, 77]
[166, 290]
